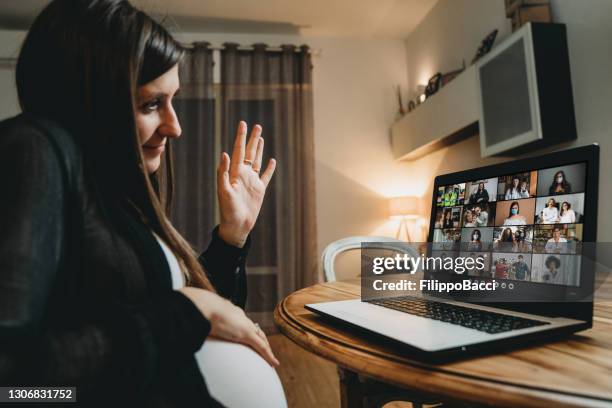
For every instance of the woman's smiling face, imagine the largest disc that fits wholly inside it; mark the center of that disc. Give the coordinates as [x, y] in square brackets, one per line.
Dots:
[156, 120]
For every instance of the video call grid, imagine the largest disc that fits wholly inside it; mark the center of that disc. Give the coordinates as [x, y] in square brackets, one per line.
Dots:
[534, 246]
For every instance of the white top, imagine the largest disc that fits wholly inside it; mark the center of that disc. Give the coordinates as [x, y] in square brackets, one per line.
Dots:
[568, 217]
[560, 246]
[559, 278]
[516, 194]
[515, 221]
[550, 215]
[178, 280]
[482, 219]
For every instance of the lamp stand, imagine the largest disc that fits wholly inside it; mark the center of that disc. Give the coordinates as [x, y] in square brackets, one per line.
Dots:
[403, 226]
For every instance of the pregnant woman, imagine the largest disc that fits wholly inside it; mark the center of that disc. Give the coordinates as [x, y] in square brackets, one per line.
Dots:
[97, 289]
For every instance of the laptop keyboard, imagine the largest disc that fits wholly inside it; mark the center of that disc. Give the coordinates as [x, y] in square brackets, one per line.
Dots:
[482, 320]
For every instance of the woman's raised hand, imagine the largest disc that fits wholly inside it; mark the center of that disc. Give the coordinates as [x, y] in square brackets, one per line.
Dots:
[240, 187]
[229, 322]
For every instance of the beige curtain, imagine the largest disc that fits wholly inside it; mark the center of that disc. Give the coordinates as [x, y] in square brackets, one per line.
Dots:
[274, 88]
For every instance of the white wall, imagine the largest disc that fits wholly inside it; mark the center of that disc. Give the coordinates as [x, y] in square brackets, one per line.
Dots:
[10, 41]
[453, 29]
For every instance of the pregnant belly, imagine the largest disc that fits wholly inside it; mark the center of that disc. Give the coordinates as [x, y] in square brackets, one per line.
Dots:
[237, 376]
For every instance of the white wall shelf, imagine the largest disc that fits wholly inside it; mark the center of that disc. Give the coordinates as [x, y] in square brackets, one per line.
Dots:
[448, 116]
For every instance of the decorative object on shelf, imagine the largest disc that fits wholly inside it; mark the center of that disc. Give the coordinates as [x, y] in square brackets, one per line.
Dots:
[485, 46]
[411, 106]
[449, 76]
[523, 11]
[425, 91]
[404, 208]
[525, 94]
[433, 85]
[419, 93]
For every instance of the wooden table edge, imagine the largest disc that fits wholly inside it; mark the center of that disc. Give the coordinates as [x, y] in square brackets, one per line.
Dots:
[507, 394]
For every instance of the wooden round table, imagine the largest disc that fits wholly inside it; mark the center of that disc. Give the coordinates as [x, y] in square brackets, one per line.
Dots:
[574, 372]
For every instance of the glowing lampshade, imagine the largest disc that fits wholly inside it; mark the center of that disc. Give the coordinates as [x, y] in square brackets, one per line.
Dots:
[404, 207]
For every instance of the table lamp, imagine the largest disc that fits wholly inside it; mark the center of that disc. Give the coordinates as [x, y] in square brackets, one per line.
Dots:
[404, 208]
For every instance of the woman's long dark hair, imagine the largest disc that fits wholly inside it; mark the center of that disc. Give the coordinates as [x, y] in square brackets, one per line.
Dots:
[569, 207]
[506, 235]
[80, 65]
[564, 184]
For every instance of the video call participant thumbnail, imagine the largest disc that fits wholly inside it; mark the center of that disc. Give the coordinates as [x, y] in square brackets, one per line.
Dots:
[517, 186]
[476, 239]
[558, 238]
[511, 266]
[562, 180]
[556, 269]
[481, 191]
[452, 195]
[478, 259]
[513, 239]
[560, 209]
[449, 217]
[516, 212]
[478, 215]
[447, 239]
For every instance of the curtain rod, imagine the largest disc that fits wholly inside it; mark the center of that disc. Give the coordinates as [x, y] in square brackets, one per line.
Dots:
[313, 52]
[7, 61]
[10, 61]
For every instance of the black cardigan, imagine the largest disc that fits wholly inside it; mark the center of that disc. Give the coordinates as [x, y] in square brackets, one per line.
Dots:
[103, 317]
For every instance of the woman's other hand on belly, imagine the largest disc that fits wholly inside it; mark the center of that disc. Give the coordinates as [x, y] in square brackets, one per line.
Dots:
[229, 322]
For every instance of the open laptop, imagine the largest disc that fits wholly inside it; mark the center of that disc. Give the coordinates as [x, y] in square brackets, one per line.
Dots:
[535, 251]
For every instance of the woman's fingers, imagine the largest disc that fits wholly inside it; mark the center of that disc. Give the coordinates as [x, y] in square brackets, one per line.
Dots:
[261, 334]
[251, 147]
[253, 152]
[223, 172]
[258, 155]
[267, 175]
[262, 347]
[238, 153]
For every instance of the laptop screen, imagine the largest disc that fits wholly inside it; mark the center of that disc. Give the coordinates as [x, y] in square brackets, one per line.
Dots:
[525, 224]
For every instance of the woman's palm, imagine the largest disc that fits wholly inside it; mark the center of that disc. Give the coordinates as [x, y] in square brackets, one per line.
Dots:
[241, 189]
